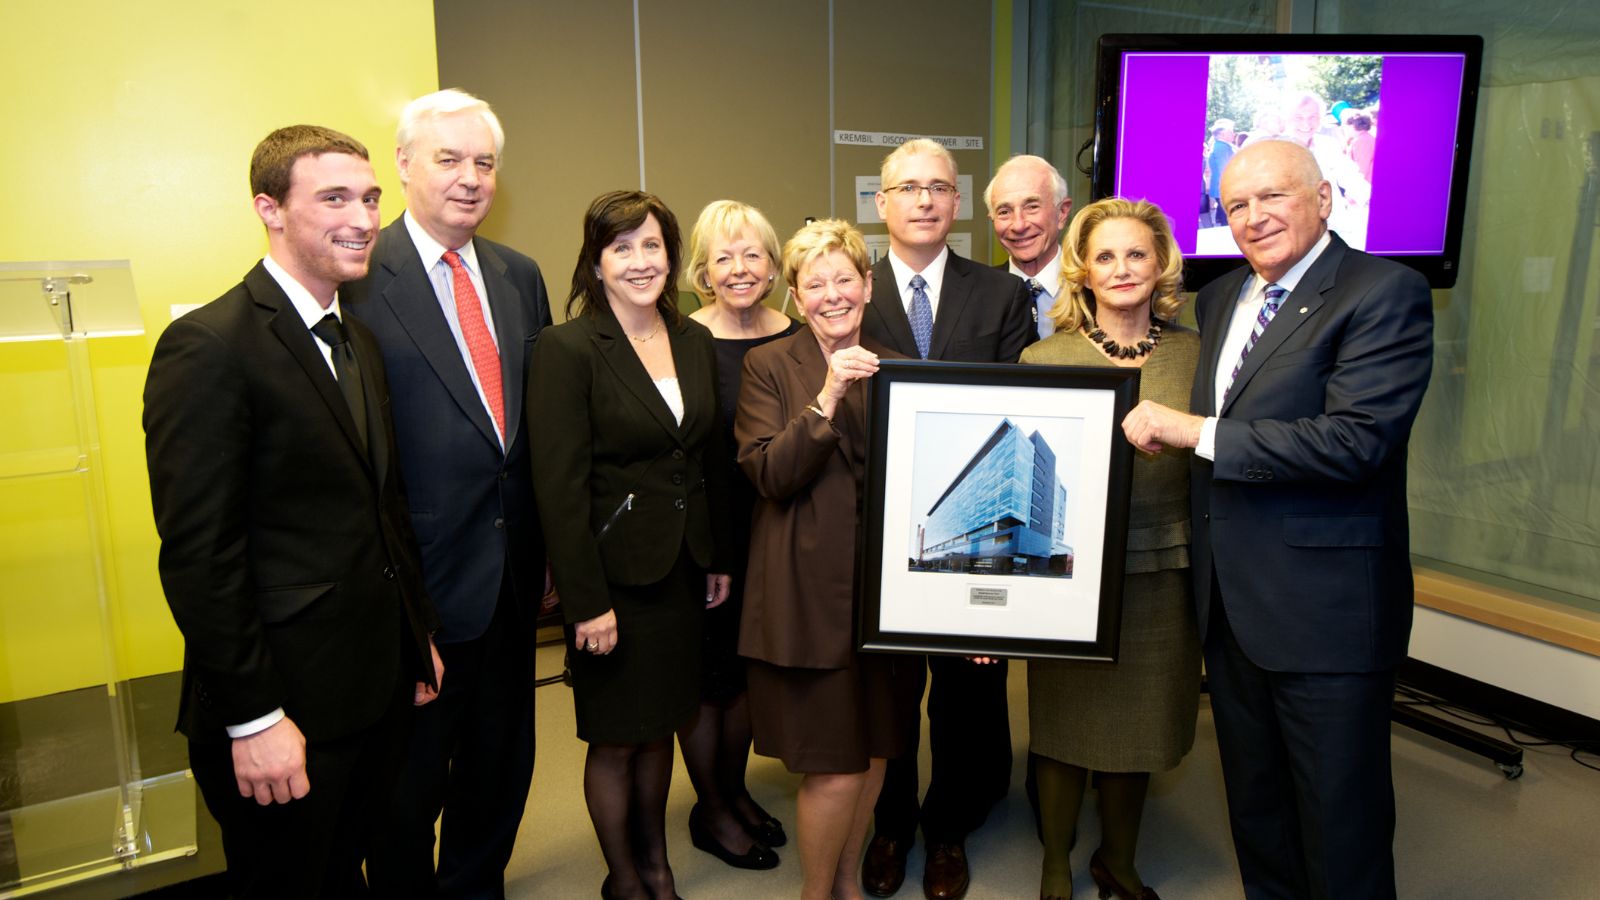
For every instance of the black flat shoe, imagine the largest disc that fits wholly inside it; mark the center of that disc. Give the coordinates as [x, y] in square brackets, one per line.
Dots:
[769, 831]
[759, 856]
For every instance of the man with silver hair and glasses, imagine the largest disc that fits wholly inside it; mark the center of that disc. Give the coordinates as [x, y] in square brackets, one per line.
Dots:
[455, 315]
[932, 304]
[1029, 207]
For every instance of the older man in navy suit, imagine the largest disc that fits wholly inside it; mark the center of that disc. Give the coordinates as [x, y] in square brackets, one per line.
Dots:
[1313, 364]
[456, 316]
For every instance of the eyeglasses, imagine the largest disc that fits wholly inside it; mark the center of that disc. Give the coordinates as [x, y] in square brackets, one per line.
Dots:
[939, 190]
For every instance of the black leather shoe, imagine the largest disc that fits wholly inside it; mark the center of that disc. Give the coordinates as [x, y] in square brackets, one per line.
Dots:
[884, 869]
[944, 875]
[759, 856]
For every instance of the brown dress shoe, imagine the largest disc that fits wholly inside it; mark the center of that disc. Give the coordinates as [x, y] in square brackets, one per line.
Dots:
[944, 875]
[884, 869]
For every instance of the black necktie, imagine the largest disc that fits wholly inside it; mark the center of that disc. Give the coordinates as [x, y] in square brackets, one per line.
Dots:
[331, 332]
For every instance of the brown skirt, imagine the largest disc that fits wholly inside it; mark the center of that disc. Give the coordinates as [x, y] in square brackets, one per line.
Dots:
[835, 721]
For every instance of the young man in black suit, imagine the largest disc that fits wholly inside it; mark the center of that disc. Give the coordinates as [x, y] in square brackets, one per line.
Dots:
[1313, 362]
[456, 316]
[287, 555]
[932, 304]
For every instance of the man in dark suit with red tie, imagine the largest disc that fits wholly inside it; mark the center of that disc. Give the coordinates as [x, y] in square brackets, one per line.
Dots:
[1313, 362]
[929, 303]
[456, 316]
[286, 550]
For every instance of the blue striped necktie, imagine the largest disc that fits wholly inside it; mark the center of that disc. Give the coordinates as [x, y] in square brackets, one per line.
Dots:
[1269, 307]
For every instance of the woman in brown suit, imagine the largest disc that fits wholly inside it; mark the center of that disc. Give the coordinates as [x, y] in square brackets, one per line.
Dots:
[1120, 272]
[830, 714]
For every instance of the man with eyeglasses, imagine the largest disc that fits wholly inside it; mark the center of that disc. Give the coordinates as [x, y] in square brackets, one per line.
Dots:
[1028, 206]
[933, 304]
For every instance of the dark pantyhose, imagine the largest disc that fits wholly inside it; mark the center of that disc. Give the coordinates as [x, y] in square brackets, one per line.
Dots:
[625, 786]
[716, 749]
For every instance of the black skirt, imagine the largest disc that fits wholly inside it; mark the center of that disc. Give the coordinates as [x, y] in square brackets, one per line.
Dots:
[650, 684]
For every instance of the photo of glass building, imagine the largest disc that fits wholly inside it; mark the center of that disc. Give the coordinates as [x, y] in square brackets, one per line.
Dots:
[1004, 513]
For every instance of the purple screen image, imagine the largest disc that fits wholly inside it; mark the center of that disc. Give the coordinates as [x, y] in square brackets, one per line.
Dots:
[1160, 131]
[1161, 128]
[1419, 103]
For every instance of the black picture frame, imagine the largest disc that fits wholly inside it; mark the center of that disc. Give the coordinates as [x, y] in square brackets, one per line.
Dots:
[945, 563]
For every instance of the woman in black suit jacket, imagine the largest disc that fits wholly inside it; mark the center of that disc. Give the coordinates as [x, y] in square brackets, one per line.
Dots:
[629, 467]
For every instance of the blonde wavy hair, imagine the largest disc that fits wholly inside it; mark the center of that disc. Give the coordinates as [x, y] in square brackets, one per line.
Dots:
[1072, 307]
[727, 219]
[818, 239]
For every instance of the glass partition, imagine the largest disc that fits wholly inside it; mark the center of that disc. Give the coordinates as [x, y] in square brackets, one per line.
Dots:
[1503, 485]
[74, 801]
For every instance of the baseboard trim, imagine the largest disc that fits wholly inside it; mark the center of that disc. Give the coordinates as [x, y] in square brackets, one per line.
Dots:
[1525, 714]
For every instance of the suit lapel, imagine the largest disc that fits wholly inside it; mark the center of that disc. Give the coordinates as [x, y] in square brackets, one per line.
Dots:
[511, 329]
[1218, 312]
[890, 310]
[618, 356]
[953, 296]
[411, 298]
[811, 368]
[370, 359]
[287, 326]
[1298, 308]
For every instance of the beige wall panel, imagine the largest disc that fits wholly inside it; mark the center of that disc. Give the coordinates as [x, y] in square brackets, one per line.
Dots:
[913, 68]
[736, 107]
[561, 78]
[735, 104]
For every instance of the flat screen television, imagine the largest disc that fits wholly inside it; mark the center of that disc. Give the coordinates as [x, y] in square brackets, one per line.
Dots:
[1389, 118]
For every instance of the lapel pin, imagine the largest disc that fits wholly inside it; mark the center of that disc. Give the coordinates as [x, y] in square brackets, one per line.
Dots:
[1302, 310]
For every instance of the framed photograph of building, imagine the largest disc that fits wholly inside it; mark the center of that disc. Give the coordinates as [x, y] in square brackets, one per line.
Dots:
[995, 514]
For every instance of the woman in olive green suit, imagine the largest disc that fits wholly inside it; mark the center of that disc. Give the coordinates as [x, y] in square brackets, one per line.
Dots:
[1120, 274]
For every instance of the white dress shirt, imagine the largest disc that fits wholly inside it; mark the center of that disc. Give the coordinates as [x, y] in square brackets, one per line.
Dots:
[1049, 278]
[1245, 309]
[933, 275]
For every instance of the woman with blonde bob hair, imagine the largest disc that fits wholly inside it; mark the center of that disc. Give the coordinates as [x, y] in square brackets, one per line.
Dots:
[733, 266]
[1076, 304]
[1121, 273]
[832, 715]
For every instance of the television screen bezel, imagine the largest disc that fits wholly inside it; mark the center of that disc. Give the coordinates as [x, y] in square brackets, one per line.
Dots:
[1441, 268]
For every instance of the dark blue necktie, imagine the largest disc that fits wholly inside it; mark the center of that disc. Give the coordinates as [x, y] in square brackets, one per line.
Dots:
[921, 315]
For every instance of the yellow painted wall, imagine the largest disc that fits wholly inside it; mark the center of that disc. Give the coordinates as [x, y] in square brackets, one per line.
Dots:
[129, 128]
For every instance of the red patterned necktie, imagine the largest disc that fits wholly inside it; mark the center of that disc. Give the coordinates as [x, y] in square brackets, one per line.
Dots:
[485, 359]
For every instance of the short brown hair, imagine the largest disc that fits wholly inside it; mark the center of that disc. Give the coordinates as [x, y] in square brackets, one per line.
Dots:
[274, 159]
[611, 214]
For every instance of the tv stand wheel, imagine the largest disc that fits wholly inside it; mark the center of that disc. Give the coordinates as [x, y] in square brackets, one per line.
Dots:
[1512, 772]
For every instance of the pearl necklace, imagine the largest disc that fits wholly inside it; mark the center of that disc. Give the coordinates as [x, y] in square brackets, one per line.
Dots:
[1117, 351]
